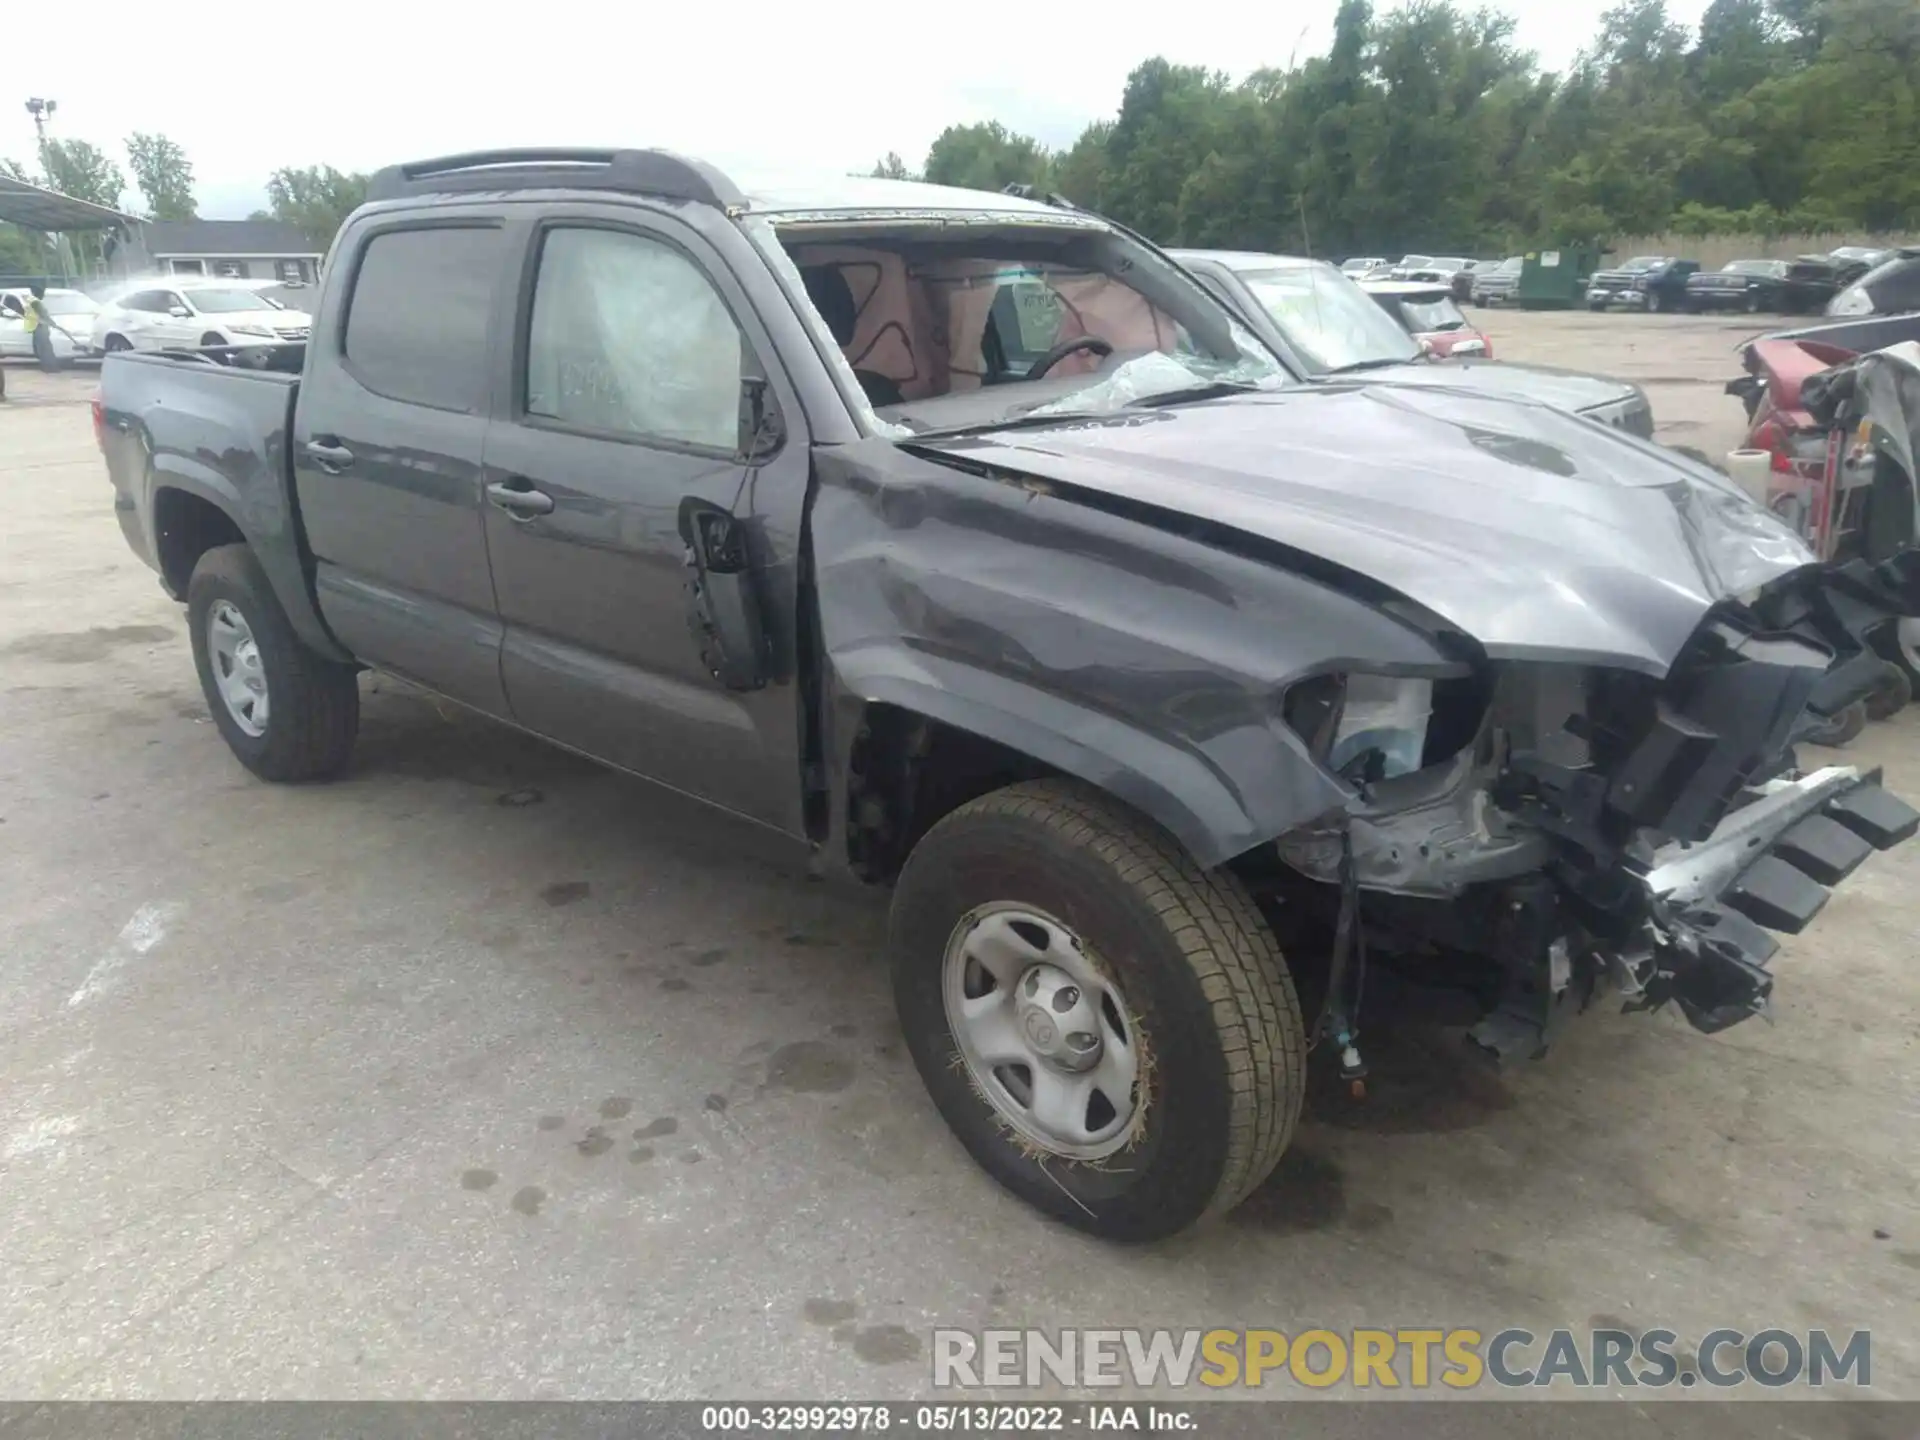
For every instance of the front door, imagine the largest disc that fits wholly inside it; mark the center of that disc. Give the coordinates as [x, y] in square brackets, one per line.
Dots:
[387, 441]
[623, 403]
[175, 323]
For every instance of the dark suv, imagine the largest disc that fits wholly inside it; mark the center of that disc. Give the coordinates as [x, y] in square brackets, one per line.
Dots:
[970, 544]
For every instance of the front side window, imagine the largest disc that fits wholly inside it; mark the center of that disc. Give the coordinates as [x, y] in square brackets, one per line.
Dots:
[417, 321]
[629, 337]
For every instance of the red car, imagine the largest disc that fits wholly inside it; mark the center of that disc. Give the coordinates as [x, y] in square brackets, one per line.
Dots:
[1428, 313]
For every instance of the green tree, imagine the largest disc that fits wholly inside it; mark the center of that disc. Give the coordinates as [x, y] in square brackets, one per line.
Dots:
[163, 173]
[317, 199]
[891, 167]
[1424, 128]
[82, 170]
[987, 157]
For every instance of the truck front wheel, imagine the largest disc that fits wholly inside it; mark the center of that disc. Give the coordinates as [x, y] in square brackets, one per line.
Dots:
[1109, 1029]
[285, 712]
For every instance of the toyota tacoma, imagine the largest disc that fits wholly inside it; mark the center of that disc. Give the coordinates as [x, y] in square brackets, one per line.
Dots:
[966, 540]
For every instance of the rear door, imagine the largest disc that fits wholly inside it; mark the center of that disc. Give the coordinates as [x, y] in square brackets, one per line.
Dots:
[387, 444]
[620, 403]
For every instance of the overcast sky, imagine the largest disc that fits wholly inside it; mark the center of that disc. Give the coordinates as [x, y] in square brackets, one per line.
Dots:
[761, 87]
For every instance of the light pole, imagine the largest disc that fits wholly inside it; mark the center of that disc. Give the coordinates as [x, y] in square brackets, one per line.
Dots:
[42, 112]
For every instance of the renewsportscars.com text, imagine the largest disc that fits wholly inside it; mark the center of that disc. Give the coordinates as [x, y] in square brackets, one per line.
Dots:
[1404, 1358]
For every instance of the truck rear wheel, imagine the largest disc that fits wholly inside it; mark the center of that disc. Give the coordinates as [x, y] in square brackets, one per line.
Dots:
[285, 712]
[1110, 1030]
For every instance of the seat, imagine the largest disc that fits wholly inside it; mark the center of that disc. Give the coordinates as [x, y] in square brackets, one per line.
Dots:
[832, 296]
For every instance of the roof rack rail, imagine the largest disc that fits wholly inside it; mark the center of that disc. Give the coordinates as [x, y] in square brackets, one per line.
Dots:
[1020, 190]
[638, 172]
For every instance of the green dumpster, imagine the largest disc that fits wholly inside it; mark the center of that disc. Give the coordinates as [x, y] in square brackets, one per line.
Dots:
[1556, 279]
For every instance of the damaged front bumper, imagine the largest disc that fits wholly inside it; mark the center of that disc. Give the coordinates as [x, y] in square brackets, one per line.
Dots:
[1769, 866]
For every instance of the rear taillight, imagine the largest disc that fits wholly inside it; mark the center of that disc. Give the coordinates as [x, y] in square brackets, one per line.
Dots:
[99, 423]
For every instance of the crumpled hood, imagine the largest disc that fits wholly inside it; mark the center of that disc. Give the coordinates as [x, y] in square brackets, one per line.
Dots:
[1567, 389]
[1542, 535]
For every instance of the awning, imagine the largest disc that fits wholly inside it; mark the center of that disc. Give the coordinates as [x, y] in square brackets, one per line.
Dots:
[37, 209]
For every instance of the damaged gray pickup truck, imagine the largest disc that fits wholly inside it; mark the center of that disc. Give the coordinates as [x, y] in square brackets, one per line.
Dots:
[970, 543]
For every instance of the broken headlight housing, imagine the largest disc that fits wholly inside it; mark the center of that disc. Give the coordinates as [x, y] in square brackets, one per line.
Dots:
[1365, 728]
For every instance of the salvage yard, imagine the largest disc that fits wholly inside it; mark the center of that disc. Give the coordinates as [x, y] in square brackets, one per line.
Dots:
[488, 1073]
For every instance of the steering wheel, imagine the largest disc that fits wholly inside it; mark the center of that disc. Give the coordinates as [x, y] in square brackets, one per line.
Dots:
[1065, 348]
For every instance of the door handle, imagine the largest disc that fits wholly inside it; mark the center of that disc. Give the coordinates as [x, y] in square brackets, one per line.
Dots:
[329, 455]
[519, 499]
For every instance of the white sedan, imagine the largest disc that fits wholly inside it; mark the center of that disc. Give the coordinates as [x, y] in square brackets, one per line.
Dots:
[175, 315]
[72, 312]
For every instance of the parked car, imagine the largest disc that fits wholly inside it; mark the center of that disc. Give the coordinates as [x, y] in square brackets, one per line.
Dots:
[160, 316]
[1463, 281]
[1324, 327]
[1406, 264]
[1427, 313]
[1646, 282]
[1493, 284]
[1363, 265]
[1850, 262]
[1890, 288]
[1441, 270]
[967, 542]
[73, 313]
[1788, 287]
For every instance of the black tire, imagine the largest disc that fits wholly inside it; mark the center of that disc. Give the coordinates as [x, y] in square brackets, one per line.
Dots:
[1887, 641]
[313, 704]
[1756, 302]
[116, 343]
[210, 338]
[1656, 302]
[1892, 694]
[1841, 730]
[1207, 989]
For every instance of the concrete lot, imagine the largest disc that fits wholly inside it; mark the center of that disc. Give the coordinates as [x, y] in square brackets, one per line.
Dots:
[485, 1073]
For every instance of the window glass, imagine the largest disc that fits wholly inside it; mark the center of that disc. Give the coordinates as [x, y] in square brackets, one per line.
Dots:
[629, 336]
[417, 323]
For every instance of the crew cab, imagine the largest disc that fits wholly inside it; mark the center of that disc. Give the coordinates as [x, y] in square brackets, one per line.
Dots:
[968, 542]
[1325, 327]
[1646, 282]
[1790, 287]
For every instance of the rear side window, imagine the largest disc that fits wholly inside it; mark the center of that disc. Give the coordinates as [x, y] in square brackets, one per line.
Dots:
[417, 320]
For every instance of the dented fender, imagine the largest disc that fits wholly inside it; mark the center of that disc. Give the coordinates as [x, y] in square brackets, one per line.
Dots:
[1142, 660]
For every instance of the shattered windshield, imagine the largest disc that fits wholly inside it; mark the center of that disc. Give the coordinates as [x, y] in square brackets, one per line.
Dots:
[970, 321]
[1329, 320]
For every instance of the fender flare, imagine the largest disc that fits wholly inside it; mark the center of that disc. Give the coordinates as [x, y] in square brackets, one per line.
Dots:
[1216, 810]
[268, 528]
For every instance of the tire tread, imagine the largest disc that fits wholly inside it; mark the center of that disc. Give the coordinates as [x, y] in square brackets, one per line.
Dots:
[1226, 942]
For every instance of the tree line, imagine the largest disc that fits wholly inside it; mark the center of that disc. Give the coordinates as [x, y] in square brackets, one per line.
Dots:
[314, 198]
[1425, 128]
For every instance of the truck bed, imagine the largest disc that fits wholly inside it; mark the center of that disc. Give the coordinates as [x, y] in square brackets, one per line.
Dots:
[185, 430]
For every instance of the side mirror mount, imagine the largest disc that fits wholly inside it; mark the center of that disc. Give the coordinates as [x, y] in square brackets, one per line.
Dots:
[762, 431]
[179, 312]
[723, 610]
